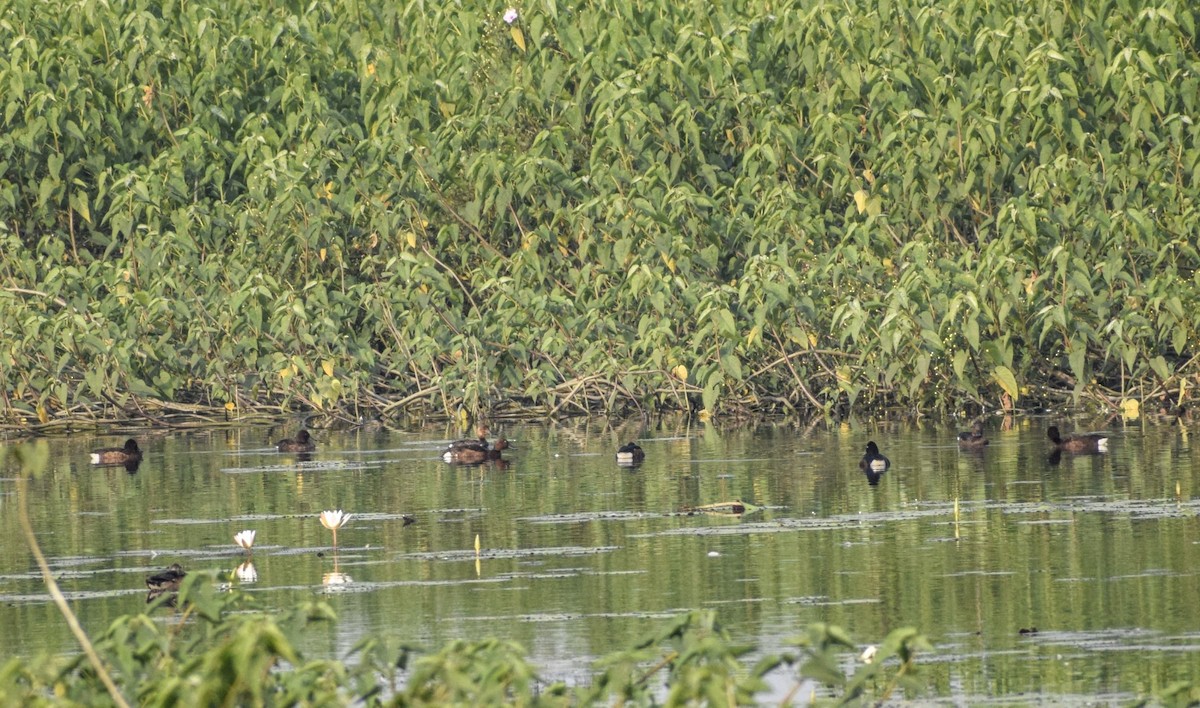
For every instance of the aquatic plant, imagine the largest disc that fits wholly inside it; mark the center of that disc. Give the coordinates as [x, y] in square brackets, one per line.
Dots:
[334, 520]
[245, 539]
[711, 207]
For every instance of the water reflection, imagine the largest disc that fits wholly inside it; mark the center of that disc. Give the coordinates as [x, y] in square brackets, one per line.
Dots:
[580, 557]
[336, 578]
[246, 572]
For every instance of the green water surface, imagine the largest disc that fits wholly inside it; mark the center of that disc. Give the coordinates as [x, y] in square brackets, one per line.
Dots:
[580, 557]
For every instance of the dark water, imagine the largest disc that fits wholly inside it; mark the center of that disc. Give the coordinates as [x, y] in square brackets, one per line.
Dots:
[580, 557]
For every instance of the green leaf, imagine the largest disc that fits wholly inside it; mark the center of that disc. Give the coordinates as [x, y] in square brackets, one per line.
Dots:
[1078, 360]
[732, 365]
[1161, 367]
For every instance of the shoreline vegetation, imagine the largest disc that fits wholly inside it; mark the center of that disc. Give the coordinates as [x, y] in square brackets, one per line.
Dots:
[218, 209]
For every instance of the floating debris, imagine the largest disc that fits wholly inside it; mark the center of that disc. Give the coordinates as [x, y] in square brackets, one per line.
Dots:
[729, 508]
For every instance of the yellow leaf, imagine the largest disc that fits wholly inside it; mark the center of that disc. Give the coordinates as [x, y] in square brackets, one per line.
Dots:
[1130, 409]
[1004, 376]
[670, 262]
[411, 239]
[327, 367]
[755, 333]
[869, 176]
[287, 372]
[518, 36]
[860, 200]
[42, 415]
[321, 255]
[230, 406]
[370, 69]
[680, 372]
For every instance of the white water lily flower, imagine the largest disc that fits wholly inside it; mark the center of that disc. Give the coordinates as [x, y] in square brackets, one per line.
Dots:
[510, 15]
[245, 539]
[334, 520]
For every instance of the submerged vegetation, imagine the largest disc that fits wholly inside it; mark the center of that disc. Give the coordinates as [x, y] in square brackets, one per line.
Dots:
[424, 208]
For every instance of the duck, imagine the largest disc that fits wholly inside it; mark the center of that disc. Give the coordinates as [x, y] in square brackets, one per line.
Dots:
[168, 580]
[472, 452]
[303, 442]
[1077, 442]
[630, 454]
[130, 454]
[873, 461]
[470, 442]
[973, 440]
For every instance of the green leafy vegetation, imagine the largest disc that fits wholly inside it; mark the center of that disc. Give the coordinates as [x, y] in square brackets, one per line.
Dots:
[727, 206]
[219, 652]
